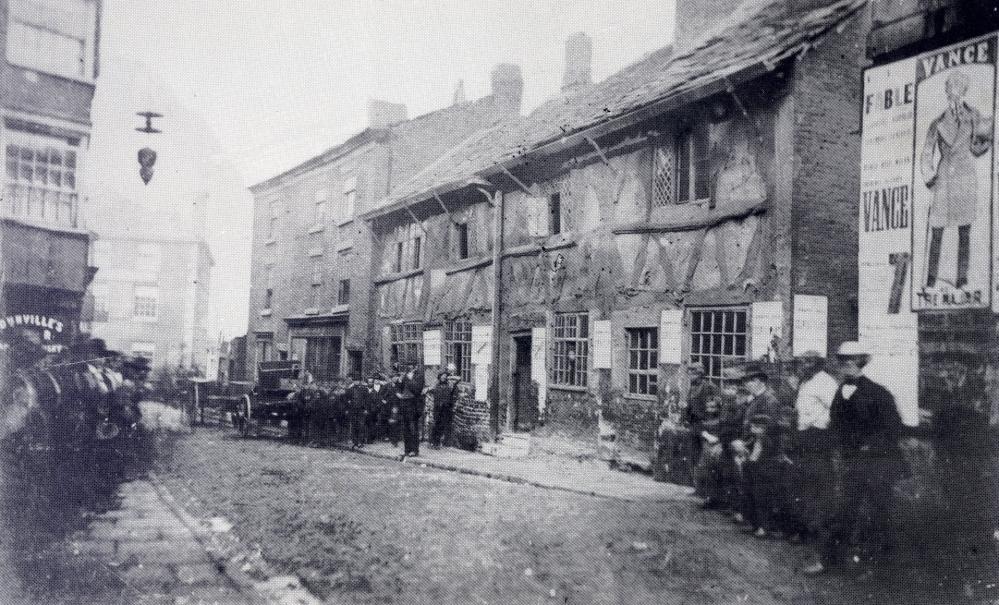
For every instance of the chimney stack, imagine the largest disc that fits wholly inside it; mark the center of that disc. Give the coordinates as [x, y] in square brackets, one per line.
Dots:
[383, 113]
[578, 60]
[459, 93]
[508, 85]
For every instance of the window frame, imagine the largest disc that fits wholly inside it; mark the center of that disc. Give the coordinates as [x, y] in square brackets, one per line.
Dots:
[417, 252]
[26, 13]
[642, 365]
[570, 350]
[717, 362]
[406, 342]
[343, 292]
[462, 248]
[458, 347]
[555, 213]
[681, 170]
[145, 299]
[28, 155]
[268, 287]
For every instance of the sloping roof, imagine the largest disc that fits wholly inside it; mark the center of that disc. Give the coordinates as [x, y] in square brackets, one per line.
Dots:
[415, 142]
[758, 33]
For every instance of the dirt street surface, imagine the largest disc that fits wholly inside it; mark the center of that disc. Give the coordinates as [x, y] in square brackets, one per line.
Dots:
[358, 529]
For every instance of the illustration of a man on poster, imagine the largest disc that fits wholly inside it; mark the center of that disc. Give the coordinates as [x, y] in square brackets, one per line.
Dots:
[947, 163]
[952, 168]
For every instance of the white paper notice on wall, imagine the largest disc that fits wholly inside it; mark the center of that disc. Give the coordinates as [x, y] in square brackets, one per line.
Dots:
[671, 336]
[537, 216]
[432, 347]
[811, 324]
[481, 382]
[482, 340]
[539, 371]
[602, 344]
[767, 318]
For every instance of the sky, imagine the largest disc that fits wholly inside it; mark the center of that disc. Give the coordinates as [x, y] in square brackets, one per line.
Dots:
[250, 88]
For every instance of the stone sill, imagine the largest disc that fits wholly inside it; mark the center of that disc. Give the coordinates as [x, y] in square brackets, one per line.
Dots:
[317, 229]
[311, 311]
[344, 245]
[340, 222]
[265, 313]
[270, 242]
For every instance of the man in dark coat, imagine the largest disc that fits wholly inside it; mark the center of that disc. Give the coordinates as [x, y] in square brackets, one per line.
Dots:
[865, 427]
[410, 394]
[445, 392]
[359, 409]
[701, 391]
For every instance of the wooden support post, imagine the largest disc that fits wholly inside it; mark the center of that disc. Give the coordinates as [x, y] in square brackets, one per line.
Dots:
[518, 182]
[600, 152]
[494, 375]
[418, 222]
[444, 208]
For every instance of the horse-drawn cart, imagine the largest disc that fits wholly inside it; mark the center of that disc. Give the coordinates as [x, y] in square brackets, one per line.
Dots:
[249, 407]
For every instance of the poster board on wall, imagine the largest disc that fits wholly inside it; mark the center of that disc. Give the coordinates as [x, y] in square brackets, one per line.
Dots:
[811, 324]
[767, 321]
[432, 347]
[482, 350]
[539, 368]
[671, 336]
[602, 349]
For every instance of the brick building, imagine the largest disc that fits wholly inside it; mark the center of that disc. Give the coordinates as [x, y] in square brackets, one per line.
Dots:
[151, 289]
[697, 207]
[311, 260]
[47, 76]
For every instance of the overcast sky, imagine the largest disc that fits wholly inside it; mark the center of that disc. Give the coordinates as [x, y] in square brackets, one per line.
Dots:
[253, 87]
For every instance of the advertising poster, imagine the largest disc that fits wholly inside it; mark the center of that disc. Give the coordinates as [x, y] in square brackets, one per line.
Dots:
[954, 103]
[811, 324]
[602, 344]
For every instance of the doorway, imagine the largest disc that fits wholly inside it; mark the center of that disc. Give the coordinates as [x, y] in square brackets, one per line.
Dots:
[525, 395]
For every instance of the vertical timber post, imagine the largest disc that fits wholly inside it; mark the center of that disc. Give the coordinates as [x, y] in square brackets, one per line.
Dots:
[494, 375]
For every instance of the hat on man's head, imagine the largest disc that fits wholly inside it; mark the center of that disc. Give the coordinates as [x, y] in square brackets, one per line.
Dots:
[696, 369]
[852, 348]
[755, 370]
[814, 355]
[760, 419]
[732, 373]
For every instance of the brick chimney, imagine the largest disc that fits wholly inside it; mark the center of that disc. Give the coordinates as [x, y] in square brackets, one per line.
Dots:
[695, 18]
[383, 113]
[508, 85]
[578, 60]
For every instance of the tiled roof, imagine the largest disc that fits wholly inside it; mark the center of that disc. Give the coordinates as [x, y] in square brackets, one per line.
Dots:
[759, 32]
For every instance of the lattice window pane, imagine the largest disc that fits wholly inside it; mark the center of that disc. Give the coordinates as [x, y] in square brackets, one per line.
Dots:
[664, 175]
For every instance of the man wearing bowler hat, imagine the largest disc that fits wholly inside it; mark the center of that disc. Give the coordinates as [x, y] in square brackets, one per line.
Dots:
[864, 426]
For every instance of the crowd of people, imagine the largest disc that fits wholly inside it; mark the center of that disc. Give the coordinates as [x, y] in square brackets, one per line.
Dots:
[811, 454]
[384, 407]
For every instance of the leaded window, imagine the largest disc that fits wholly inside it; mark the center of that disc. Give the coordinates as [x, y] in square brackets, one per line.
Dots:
[571, 349]
[718, 338]
[458, 347]
[643, 360]
[407, 343]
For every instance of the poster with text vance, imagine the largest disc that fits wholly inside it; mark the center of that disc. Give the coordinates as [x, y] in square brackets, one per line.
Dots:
[953, 166]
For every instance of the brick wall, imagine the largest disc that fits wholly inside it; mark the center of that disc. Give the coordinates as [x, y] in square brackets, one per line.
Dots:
[826, 96]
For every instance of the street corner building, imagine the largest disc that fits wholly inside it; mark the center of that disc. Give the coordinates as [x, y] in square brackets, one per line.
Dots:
[312, 260]
[697, 207]
[47, 77]
[151, 294]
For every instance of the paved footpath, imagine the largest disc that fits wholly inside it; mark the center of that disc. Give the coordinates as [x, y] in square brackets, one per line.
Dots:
[163, 555]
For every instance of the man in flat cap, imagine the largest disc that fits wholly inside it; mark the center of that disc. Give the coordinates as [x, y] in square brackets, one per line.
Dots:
[701, 391]
[865, 428]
